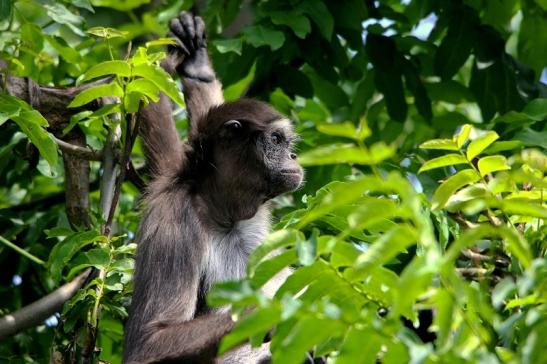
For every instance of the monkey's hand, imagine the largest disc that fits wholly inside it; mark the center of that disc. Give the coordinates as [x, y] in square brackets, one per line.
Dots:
[191, 49]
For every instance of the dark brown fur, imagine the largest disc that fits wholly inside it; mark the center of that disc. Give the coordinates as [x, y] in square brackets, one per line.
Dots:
[205, 208]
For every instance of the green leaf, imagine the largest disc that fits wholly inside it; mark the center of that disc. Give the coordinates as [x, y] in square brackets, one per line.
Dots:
[440, 144]
[346, 153]
[299, 24]
[346, 129]
[492, 163]
[269, 268]
[256, 323]
[301, 278]
[531, 37]
[307, 249]
[444, 314]
[160, 42]
[96, 92]
[532, 138]
[84, 4]
[502, 146]
[31, 122]
[463, 135]
[228, 45]
[105, 32]
[481, 143]
[443, 161]
[275, 240]
[259, 35]
[60, 14]
[360, 346]
[320, 15]
[536, 109]
[456, 46]
[161, 79]
[118, 68]
[451, 185]
[122, 6]
[136, 89]
[516, 207]
[97, 257]
[307, 332]
[391, 243]
[63, 251]
[515, 242]
[65, 51]
[9, 107]
[5, 9]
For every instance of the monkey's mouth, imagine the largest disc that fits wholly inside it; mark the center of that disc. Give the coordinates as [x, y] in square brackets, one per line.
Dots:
[291, 171]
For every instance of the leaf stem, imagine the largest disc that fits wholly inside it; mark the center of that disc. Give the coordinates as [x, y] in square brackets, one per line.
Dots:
[22, 251]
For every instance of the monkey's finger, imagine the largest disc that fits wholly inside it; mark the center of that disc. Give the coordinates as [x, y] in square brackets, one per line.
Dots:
[180, 34]
[200, 32]
[187, 22]
[180, 44]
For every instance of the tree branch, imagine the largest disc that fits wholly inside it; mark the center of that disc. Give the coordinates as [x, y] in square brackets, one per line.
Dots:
[38, 311]
[77, 151]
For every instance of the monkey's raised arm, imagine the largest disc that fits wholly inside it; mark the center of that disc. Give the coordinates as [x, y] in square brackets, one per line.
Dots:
[202, 90]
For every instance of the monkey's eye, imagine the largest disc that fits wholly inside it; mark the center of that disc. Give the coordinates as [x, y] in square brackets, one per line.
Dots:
[277, 138]
[233, 124]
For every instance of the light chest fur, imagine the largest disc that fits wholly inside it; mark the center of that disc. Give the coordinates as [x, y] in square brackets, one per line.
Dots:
[227, 251]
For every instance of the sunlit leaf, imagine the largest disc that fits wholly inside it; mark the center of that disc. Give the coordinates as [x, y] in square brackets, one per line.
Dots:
[346, 153]
[117, 68]
[463, 135]
[492, 163]
[161, 79]
[451, 185]
[440, 144]
[96, 92]
[105, 32]
[444, 161]
[481, 143]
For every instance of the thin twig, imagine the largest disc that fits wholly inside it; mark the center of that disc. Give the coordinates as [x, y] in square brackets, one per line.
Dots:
[77, 151]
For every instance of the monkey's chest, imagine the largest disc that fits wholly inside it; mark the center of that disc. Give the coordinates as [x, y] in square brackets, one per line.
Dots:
[227, 251]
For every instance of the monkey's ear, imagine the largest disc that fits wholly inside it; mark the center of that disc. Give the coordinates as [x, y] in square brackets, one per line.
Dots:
[233, 125]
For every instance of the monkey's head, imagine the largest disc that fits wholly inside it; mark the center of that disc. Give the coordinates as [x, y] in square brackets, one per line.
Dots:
[248, 146]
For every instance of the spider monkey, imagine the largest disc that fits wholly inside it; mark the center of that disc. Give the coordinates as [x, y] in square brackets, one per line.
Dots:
[206, 208]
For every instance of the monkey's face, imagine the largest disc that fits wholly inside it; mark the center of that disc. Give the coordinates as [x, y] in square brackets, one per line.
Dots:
[275, 146]
[251, 149]
[257, 159]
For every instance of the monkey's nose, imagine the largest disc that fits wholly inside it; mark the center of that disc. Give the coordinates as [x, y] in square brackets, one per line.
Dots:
[292, 155]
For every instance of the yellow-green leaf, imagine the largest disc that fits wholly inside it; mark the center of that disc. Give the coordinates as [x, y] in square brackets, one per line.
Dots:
[492, 163]
[440, 144]
[451, 185]
[463, 135]
[118, 68]
[516, 207]
[346, 153]
[161, 79]
[93, 93]
[346, 129]
[445, 160]
[478, 145]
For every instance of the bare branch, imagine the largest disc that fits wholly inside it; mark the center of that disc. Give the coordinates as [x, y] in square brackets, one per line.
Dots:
[80, 152]
[38, 311]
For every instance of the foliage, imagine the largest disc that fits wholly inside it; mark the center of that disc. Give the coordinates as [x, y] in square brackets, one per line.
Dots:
[423, 133]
